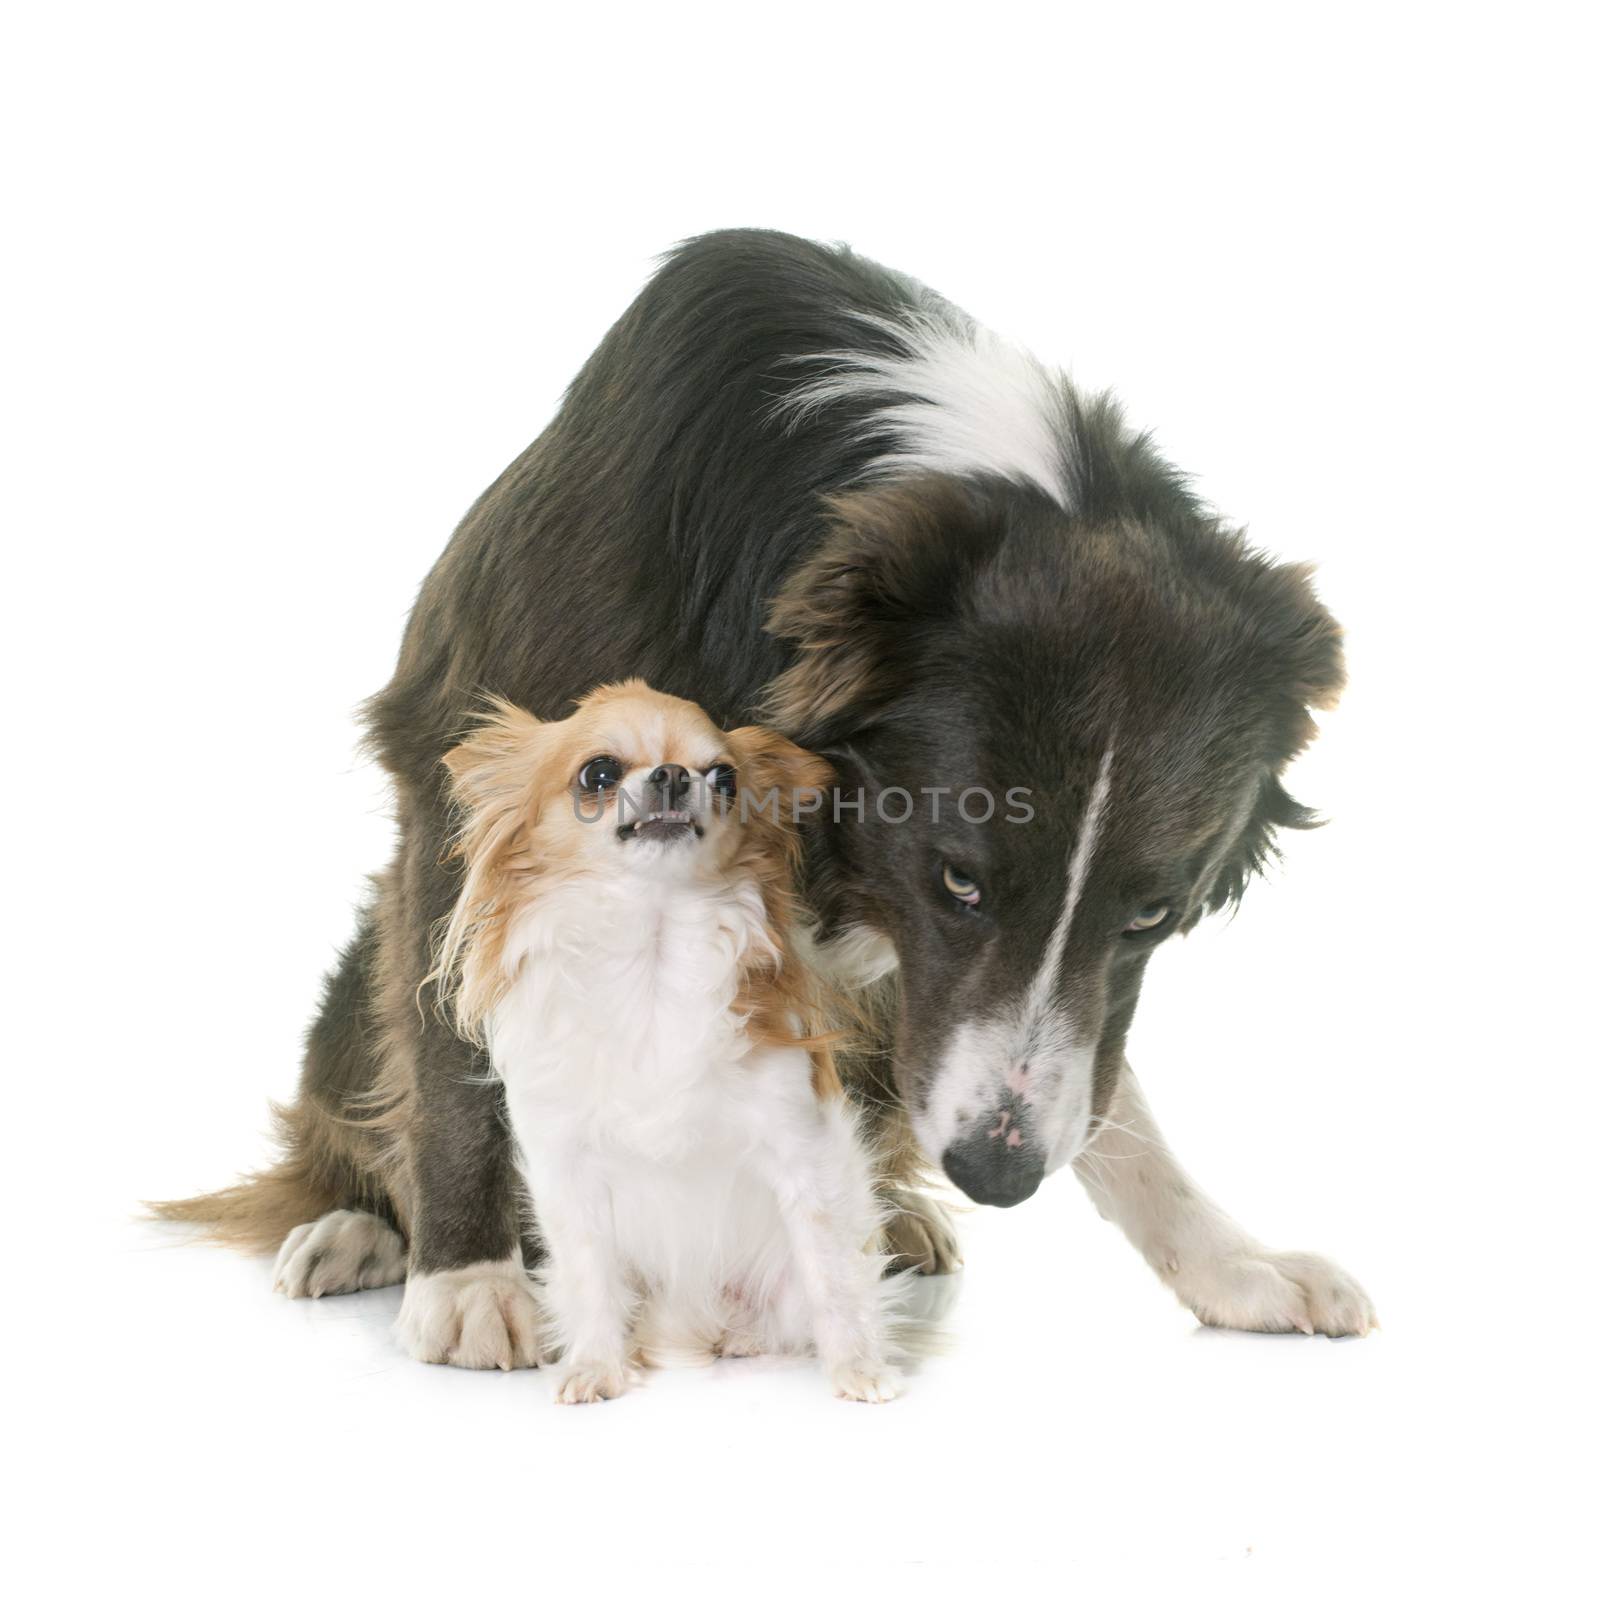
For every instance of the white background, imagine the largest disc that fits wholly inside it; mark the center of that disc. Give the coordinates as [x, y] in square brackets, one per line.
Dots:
[288, 285]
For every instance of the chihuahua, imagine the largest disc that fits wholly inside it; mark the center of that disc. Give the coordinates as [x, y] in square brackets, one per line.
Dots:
[622, 947]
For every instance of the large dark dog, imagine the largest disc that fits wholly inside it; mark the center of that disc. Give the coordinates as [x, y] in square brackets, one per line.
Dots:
[793, 484]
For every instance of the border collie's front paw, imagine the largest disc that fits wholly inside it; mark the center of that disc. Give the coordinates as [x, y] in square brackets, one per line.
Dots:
[1268, 1292]
[481, 1316]
[580, 1382]
[339, 1253]
[872, 1382]
[919, 1235]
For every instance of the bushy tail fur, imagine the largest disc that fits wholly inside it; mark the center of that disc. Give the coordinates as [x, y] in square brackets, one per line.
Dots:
[259, 1212]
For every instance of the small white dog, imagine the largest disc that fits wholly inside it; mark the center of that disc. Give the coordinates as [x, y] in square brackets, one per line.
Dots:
[621, 946]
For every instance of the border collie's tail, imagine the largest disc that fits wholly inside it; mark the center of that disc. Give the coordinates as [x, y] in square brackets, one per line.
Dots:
[259, 1212]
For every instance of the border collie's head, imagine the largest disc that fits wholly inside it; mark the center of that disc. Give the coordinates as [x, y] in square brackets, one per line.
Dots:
[1089, 715]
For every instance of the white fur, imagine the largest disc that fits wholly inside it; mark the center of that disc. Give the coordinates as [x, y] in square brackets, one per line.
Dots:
[339, 1253]
[1216, 1269]
[854, 959]
[1032, 1049]
[692, 1190]
[954, 398]
[480, 1316]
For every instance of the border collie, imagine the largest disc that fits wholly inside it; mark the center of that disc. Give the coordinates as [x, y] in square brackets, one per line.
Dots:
[796, 487]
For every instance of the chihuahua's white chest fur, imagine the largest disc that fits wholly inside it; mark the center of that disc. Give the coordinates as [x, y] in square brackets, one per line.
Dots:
[695, 1194]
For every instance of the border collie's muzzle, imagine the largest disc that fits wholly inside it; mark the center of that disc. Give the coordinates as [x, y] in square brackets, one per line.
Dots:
[999, 1163]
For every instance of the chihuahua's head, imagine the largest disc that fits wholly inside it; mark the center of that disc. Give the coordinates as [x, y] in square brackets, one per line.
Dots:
[634, 785]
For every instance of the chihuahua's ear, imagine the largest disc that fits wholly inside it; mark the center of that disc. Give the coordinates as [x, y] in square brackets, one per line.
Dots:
[768, 761]
[498, 763]
[498, 777]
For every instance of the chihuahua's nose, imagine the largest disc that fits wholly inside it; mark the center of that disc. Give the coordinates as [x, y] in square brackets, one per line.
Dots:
[670, 784]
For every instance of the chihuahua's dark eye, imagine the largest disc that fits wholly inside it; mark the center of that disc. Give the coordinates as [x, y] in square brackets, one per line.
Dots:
[722, 780]
[960, 887]
[601, 773]
[1149, 917]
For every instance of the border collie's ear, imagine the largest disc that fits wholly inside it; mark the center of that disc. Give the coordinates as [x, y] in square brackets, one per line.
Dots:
[859, 607]
[1306, 645]
[767, 761]
[1303, 647]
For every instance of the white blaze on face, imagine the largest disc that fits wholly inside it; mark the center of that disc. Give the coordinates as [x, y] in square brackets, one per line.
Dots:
[1032, 1049]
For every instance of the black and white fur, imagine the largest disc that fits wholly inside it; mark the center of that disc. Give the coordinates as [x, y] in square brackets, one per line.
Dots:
[792, 482]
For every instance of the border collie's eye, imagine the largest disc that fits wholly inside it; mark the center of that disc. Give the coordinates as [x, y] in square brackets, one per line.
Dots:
[603, 772]
[960, 887]
[1150, 917]
[722, 780]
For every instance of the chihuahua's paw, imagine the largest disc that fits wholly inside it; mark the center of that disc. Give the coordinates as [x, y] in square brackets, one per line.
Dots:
[919, 1235]
[339, 1253]
[581, 1382]
[481, 1316]
[871, 1381]
[1268, 1292]
[740, 1342]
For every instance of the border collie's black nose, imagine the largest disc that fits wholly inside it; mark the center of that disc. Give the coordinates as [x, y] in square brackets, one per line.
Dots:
[670, 784]
[987, 1169]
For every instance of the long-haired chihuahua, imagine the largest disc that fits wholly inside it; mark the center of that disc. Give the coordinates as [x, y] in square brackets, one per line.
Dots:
[621, 947]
